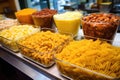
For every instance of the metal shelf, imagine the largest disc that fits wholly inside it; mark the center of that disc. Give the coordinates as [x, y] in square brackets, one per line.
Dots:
[34, 71]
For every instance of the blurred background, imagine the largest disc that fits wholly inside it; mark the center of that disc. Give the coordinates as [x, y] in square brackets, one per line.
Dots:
[8, 7]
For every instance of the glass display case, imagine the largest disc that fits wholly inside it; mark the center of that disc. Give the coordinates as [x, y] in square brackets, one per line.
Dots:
[36, 71]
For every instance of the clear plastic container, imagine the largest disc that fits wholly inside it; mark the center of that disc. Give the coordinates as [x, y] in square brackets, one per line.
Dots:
[9, 36]
[101, 25]
[44, 18]
[9, 44]
[24, 16]
[68, 22]
[43, 47]
[75, 72]
[37, 57]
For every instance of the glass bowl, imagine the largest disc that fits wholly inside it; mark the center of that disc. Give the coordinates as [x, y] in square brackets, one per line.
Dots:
[69, 61]
[24, 16]
[9, 44]
[9, 36]
[44, 18]
[101, 25]
[40, 47]
[68, 22]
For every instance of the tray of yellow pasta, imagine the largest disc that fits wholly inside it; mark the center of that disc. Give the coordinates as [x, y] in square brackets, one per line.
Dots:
[90, 59]
[9, 36]
[41, 46]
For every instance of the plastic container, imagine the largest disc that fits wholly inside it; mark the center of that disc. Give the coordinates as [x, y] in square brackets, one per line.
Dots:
[24, 16]
[37, 57]
[101, 25]
[68, 22]
[76, 72]
[44, 18]
[9, 36]
[40, 47]
[9, 44]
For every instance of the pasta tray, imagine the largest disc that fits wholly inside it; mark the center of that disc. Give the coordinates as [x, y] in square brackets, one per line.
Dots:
[41, 47]
[87, 65]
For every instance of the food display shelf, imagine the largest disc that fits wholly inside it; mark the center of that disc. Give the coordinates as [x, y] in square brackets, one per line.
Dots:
[28, 67]
[17, 62]
[33, 70]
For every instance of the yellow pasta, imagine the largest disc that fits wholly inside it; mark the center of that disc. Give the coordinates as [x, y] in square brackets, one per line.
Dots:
[15, 33]
[43, 45]
[96, 55]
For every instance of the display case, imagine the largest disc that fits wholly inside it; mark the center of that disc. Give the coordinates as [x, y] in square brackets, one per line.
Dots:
[46, 43]
[86, 59]
[31, 69]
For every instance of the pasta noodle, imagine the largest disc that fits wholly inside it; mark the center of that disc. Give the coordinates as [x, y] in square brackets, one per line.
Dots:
[43, 45]
[9, 36]
[96, 55]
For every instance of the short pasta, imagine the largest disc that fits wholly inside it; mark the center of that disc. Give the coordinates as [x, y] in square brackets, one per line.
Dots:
[96, 55]
[44, 44]
[9, 36]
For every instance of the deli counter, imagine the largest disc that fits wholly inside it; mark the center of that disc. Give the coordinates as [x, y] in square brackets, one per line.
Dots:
[31, 69]
[44, 45]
